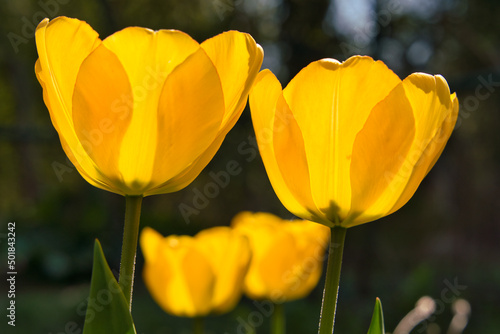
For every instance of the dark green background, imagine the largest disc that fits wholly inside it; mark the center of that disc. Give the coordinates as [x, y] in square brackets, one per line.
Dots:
[449, 231]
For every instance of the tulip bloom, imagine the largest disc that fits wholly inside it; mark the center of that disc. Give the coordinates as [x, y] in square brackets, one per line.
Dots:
[195, 276]
[287, 256]
[348, 143]
[142, 112]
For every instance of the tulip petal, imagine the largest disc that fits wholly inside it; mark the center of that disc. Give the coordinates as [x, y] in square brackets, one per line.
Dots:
[294, 261]
[174, 279]
[190, 112]
[229, 254]
[310, 248]
[56, 70]
[277, 268]
[101, 182]
[158, 271]
[287, 256]
[264, 98]
[326, 101]
[260, 230]
[100, 115]
[184, 178]
[150, 240]
[238, 59]
[436, 113]
[148, 58]
[199, 280]
[291, 158]
[379, 151]
[58, 65]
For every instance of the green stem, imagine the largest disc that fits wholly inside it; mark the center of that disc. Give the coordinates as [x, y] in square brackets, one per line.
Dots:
[330, 293]
[198, 325]
[129, 246]
[278, 320]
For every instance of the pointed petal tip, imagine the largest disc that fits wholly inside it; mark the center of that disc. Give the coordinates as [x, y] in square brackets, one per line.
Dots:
[265, 76]
[260, 48]
[148, 229]
[43, 23]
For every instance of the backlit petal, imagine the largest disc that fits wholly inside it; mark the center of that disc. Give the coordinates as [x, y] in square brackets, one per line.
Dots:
[183, 179]
[229, 254]
[435, 112]
[260, 230]
[379, 151]
[57, 69]
[148, 57]
[276, 268]
[190, 112]
[292, 161]
[100, 182]
[194, 276]
[158, 271]
[264, 98]
[331, 102]
[311, 241]
[100, 116]
[174, 278]
[287, 255]
[150, 241]
[200, 281]
[238, 59]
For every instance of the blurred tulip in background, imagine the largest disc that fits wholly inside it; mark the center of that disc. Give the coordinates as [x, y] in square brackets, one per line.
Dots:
[287, 256]
[195, 276]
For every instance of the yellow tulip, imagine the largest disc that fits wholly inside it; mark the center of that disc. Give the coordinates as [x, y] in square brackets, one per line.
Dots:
[348, 143]
[142, 112]
[287, 256]
[195, 276]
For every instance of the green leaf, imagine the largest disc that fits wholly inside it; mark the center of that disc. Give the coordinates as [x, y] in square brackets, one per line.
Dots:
[107, 308]
[377, 324]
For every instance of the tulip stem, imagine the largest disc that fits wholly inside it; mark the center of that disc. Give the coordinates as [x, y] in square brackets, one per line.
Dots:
[198, 325]
[129, 245]
[278, 320]
[330, 292]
